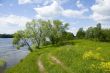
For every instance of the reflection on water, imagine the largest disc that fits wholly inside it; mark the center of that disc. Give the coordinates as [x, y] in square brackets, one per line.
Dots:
[9, 53]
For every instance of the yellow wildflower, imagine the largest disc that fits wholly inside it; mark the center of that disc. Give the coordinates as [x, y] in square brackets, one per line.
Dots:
[92, 55]
[99, 48]
[105, 66]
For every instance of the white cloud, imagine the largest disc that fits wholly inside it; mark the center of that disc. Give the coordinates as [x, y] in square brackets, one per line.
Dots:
[79, 4]
[74, 13]
[44, 2]
[55, 9]
[12, 23]
[13, 19]
[24, 1]
[101, 11]
[71, 13]
[49, 11]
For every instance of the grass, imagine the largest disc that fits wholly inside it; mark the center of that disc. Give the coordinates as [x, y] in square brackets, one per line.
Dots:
[71, 56]
[2, 63]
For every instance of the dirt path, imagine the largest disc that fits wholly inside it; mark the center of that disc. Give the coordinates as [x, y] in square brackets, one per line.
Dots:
[41, 66]
[57, 61]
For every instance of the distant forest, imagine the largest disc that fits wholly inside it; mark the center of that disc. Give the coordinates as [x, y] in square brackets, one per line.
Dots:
[6, 35]
[94, 33]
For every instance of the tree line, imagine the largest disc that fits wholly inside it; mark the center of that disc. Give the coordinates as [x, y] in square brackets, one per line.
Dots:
[41, 33]
[94, 33]
[6, 35]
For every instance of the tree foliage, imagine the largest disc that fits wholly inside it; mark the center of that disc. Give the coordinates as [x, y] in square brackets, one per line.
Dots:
[20, 39]
[80, 34]
[95, 33]
[39, 32]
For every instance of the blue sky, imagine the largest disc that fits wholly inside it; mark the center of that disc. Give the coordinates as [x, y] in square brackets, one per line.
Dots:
[78, 13]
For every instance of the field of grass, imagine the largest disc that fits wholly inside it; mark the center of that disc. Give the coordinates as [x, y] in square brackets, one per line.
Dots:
[82, 56]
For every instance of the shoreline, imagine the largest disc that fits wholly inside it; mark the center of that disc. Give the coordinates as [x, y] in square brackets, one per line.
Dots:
[3, 67]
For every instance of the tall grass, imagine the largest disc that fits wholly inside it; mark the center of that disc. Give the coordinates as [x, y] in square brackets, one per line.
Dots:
[72, 56]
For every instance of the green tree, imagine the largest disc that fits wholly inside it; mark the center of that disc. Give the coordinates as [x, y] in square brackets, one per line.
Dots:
[105, 35]
[80, 34]
[20, 39]
[89, 33]
[97, 32]
[94, 33]
[56, 29]
[38, 31]
[68, 36]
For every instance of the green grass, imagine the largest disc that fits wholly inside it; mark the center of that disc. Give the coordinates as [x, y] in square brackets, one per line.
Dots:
[70, 55]
[2, 63]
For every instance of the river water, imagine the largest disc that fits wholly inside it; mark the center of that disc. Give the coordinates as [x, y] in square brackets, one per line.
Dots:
[9, 53]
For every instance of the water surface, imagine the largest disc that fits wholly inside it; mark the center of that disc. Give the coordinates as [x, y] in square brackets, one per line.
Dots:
[9, 53]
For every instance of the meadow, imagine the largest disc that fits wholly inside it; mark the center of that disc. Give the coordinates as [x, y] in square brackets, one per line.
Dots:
[79, 56]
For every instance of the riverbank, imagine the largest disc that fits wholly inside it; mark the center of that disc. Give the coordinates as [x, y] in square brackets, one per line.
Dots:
[2, 66]
[82, 56]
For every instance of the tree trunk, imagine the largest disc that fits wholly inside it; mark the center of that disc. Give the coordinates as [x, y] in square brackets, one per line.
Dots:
[29, 47]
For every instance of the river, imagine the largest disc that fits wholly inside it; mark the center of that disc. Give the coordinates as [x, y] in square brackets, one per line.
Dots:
[9, 53]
